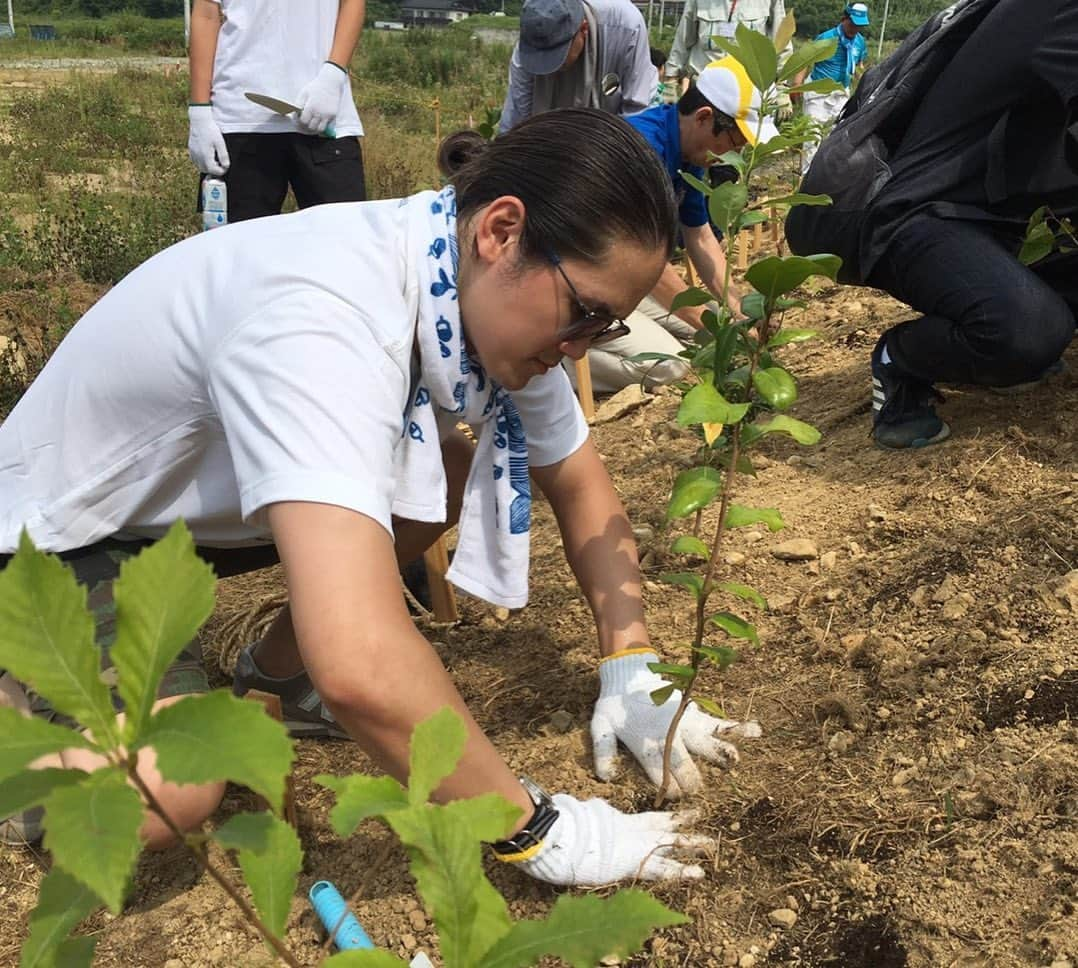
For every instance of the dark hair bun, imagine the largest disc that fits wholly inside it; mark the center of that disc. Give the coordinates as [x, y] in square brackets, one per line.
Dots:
[458, 149]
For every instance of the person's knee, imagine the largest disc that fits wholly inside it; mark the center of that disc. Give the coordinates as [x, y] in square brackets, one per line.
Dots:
[1033, 338]
[663, 373]
[187, 808]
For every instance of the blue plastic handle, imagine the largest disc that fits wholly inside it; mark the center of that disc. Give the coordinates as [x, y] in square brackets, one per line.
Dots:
[329, 906]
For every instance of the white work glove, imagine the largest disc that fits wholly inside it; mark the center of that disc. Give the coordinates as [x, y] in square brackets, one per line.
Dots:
[592, 843]
[625, 711]
[784, 108]
[205, 143]
[320, 100]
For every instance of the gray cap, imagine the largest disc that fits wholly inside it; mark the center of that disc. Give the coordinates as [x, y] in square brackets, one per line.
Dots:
[547, 28]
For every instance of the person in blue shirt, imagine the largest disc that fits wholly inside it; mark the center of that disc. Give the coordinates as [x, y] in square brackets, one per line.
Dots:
[720, 113]
[842, 67]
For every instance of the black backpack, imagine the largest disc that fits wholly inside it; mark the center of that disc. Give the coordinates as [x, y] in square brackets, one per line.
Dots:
[851, 164]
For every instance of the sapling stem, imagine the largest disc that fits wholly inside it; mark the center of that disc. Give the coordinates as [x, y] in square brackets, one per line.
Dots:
[197, 847]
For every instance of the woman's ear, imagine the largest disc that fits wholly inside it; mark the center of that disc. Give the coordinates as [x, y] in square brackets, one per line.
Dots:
[498, 228]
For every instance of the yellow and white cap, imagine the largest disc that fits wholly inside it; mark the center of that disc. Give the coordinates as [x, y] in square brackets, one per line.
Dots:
[726, 85]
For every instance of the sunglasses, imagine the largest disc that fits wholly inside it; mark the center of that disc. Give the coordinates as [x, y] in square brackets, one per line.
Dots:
[594, 326]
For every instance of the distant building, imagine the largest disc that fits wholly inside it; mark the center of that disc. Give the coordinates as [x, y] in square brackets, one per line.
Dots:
[434, 13]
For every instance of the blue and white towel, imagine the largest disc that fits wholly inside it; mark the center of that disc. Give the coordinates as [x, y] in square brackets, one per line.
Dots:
[491, 559]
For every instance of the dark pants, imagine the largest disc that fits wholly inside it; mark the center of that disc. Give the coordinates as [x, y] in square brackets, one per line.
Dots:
[988, 320]
[263, 166]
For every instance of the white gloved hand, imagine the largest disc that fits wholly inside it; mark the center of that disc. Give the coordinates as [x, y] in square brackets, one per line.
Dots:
[205, 143]
[320, 100]
[592, 843]
[625, 711]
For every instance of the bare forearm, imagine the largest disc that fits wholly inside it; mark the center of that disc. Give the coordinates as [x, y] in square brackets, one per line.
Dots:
[205, 26]
[710, 261]
[378, 676]
[599, 546]
[669, 285]
[346, 35]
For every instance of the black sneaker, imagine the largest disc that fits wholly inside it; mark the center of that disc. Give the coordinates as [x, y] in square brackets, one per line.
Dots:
[903, 408]
[305, 715]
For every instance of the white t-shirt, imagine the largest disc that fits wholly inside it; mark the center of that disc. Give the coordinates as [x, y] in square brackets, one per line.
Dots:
[273, 47]
[264, 361]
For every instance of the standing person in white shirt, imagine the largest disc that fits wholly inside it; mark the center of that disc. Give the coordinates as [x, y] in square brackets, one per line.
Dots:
[296, 52]
[291, 388]
[579, 53]
[703, 20]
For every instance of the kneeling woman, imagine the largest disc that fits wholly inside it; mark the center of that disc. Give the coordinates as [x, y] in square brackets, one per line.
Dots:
[290, 386]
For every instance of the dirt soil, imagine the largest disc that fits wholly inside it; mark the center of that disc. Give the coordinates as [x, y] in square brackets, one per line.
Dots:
[914, 798]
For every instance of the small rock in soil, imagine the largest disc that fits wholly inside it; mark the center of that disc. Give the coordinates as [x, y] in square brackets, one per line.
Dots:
[876, 513]
[418, 920]
[747, 961]
[883, 713]
[730, 957]
[783, 917]
[623, 402]
[643, 532]
[796, 549]
[734, 558]
[946, 591]
[828, 560]
[562, 721]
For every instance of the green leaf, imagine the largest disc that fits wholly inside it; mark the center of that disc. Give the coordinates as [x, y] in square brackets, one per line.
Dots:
[62, 903]
[47, 639]
[693, 182]
[704, 404]
[371, 958]
[774, 275]
[215, 736]
[688, 544]
[748, 219]
[31, 787]
[444, 846]
[785, 336]
[24, 738]
[582, 930]
[360, 797]
[739, 516]
[758, 56]
[723, 656]
[693, 490]
[735, 626]
[685, 578]
[734, 159]
[660, 695]
[437, 746]
[805, 56]
[744, 464]
[726, 203]
[690, 297]
[776, 386]
[746, 592]
[799, 198]
[785, 33]
[162, 598]
[92, 828]
[709, 705]
[669, 669]
[753, 306]
[1038, 244]
[823, 86]
[802, 432]
[649, 357]
[271, 857]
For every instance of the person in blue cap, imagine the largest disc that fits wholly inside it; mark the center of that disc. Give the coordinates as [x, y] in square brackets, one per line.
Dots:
[579, 54]
[842, 67]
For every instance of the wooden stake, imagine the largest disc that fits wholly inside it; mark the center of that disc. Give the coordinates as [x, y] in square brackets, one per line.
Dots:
[742, 244]
[584, 392]
[272, 704]
[691, 274]
[442, 596]
[776, 226]
[758, 238]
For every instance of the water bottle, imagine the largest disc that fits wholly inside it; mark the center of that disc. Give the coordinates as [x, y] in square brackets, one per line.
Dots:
[330, 907]
[214, 203]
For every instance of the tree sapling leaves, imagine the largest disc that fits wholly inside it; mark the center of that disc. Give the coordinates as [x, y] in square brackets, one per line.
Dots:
[215, 736]
[669, 669]
[92, 830]
[785, 336]
[689, 544]
[24, 738]
[47, 639]
[163, 596]
[660, 695]
[704, 404]
[746, 592]
[709, 706]
[686, 579]
[360, 797]
[690, 297]
[722, 656]
[437, 746]
[775, 276]
[726, 203]
[693, 490]
[776, 386]
[270, 857]
[785, 34]
[28, 788]
[583, 930]
[802, 432]
[758, 56]
[805, 56]
[739, 516]
[735, 626]
[62, 902]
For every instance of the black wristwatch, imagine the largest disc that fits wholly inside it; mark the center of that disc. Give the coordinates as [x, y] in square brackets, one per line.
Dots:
[525, 841]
